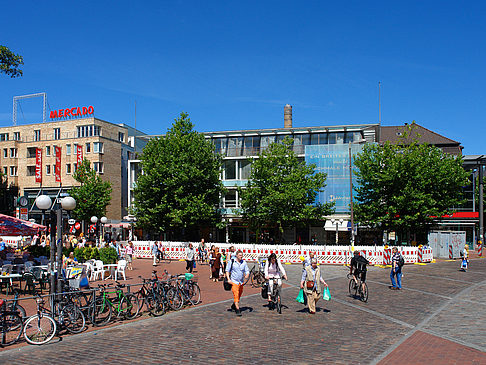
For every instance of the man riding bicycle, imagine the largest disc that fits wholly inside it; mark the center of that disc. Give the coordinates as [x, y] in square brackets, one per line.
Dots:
[359, 264]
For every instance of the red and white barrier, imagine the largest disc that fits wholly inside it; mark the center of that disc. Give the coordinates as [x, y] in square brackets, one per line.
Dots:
[480, 250]
[451, 256]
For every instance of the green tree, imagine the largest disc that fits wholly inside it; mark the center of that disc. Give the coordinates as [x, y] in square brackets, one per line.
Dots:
[406, 186]
[94, 194]
[282, 190]
[180, 187]
[10, 62]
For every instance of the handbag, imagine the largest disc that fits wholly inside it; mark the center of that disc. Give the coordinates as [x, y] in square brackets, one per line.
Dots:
[226, 285]
[300, 297]
[310, 284]
[326, 295]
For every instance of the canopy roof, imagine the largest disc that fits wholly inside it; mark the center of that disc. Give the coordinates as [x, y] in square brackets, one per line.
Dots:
[11, 226]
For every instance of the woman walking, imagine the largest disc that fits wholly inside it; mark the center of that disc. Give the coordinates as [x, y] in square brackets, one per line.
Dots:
[216, 265]
[312, 283]
[129, 255]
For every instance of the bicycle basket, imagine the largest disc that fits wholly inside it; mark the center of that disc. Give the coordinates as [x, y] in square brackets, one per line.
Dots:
[188, 276]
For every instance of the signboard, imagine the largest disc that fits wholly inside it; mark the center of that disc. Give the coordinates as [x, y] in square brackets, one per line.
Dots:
[24, 214]
[72, 112]
[38, 165]
[71, 221]
[79, 154]
[57, 168]
[333, 160]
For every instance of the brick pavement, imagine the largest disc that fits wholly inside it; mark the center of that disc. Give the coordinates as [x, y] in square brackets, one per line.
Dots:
[430, 314]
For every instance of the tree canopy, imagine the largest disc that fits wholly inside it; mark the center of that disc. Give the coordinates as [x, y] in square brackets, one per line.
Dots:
[94, 194]
[406, 186]
[10, 62]
[180, 186]
[282, 190]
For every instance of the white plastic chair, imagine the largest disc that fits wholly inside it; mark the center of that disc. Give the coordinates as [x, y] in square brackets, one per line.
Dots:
[98, 269]
[120, 268]
[89, 268]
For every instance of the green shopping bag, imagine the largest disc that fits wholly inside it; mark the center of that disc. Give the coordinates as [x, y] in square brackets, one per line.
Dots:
[300, 296]
[327, 294]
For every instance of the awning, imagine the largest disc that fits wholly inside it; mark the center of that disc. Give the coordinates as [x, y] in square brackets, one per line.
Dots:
[342, 226]
[118, 225]
[11, 226]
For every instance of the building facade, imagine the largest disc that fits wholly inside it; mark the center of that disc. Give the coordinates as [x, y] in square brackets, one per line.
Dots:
[107, 147]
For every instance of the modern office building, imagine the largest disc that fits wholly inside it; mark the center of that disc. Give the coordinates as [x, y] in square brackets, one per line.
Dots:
[41, 158]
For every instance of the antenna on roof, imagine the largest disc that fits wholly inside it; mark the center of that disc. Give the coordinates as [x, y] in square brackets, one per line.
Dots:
[379, 102]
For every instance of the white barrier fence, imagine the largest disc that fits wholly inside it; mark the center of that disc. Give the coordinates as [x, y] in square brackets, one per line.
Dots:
[338, 255]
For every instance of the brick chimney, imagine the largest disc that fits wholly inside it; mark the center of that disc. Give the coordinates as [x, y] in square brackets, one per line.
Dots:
[288, 116]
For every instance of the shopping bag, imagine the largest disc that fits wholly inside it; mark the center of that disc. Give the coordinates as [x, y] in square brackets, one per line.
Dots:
[300, 296]
[327, 294]
[194, 263]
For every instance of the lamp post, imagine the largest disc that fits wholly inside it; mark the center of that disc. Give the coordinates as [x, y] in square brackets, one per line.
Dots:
[337, 222]
[44, 202]
[94, 220]
[68, 203]
[103, 221]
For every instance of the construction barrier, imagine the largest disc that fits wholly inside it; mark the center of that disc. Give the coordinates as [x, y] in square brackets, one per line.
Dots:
[331, 255]
[480, 250]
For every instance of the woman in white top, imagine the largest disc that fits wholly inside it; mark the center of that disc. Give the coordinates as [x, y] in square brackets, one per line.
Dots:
[274, 271]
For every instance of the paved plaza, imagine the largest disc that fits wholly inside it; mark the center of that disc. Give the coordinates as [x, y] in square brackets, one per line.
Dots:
[438, 318]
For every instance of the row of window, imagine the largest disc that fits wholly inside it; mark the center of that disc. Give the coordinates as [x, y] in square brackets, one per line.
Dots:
[70, 168]
[13, 152]
[252, 145]
[82, 131]
[95, 147]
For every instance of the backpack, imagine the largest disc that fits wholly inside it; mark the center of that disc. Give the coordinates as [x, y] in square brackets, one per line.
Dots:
[401, 261]
[361, 263]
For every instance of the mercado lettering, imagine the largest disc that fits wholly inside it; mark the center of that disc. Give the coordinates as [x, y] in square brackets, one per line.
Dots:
[72, 112]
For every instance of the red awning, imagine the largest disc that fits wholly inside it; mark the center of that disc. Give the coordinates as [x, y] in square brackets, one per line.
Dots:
[11, 226]
[118, 225]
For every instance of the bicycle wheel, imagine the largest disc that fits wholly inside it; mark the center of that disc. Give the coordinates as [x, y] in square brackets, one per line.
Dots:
[174, 298]
[194, 293]
[39, 330]
[257, 279]
[11, 327]
[278, 302]
[73, 319]
[129, 306]
[363, 294]
[100, 312]
[17, 308]
[155, 305]
[352, 287]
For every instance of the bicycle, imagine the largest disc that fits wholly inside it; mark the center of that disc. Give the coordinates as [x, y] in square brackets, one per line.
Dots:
[150, 294]
[126, 305]
[275, 298]
[360, 289]
[11, 325]
[14, 306]
[257, 275]
[41, 327]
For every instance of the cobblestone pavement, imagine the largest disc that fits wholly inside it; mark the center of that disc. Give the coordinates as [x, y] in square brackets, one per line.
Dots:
[437, 318]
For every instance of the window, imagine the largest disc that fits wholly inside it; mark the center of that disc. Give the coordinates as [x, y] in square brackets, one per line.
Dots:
[13, 170]
[68, 169]
[245, 169]
[75, 167]
[57, 133]
[30, 170]
[98, 167]
[68, 149]
[31, 152]
[13, 153]
[37, 135]
[5, 170]
[230, 170]
[319, 138]
[88, 147]
[5, 152]
[16, 136]
[48, 150]
[48, 169]
[230, 199]
[53, 169]
[98, 147]
[121, 137]
[3, 136]
[88, 130]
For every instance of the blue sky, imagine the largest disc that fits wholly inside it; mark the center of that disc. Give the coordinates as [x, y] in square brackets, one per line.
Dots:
[234, 65]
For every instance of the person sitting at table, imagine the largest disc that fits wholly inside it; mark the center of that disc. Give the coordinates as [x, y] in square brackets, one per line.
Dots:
[71, 260]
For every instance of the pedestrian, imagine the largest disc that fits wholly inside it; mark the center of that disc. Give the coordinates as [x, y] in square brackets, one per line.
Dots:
[160, 249]
[189, 258]
[465, 256]
[2, 244]
[211, 261]
[308, 259]
[216, 266]
[155, 252]
[312, 283]
[396, 270]
[232, 253]
[237, 272]
[129, 255]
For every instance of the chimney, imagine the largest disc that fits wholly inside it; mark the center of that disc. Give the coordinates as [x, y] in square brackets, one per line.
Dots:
[288, 116]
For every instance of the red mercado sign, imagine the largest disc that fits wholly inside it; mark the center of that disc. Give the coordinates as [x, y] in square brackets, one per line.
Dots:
[72, 112]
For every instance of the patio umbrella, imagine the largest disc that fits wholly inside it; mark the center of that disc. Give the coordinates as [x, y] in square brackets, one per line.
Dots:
[11, 226]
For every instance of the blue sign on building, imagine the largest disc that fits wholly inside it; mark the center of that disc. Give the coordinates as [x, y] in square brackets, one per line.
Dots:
[333, 159]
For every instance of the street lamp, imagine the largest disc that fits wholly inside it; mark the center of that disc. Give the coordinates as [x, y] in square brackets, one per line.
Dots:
[43, 202]
[103, 221]
[68, 203]
[94, 220]
[337, 221]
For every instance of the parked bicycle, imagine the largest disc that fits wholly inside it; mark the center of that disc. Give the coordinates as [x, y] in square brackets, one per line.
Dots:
[257, 275]
[359, 289]
[11, 325]
[124, 304]
[152, 295]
